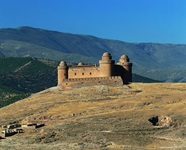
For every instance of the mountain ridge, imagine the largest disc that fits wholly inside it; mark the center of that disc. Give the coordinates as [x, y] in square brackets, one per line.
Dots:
[146, 57]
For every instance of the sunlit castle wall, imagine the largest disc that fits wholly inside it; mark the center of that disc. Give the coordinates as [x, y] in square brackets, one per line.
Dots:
[107, 73]
[83, 71]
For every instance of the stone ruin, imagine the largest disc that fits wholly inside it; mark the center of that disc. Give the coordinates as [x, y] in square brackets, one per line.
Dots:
[12, 129]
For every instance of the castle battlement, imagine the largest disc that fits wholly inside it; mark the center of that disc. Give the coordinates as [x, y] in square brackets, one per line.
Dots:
[107, 73]
[91, 79]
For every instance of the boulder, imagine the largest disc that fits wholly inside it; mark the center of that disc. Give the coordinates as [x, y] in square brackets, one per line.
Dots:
[160, 121]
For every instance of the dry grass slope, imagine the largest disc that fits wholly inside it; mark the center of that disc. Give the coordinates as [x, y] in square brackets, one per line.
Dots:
[100, 117]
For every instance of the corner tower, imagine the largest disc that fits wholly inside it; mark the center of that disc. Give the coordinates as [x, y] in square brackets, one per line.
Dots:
[62, 72]
[106, 65]
[124, 61]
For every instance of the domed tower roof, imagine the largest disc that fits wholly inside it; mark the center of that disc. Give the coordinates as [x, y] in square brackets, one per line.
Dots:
[62, 64]
[80, 64]
[123, 59]
[106, 56]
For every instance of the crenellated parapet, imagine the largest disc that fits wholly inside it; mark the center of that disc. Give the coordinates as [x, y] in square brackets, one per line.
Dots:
[92, 79]
[113, 81]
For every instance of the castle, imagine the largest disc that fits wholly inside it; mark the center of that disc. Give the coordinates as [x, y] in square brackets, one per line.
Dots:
[107, 73]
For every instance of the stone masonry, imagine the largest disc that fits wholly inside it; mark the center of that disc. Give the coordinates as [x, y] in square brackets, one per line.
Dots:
[107, 73]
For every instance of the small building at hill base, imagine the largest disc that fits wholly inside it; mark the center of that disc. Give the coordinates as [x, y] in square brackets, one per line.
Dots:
[107, 73]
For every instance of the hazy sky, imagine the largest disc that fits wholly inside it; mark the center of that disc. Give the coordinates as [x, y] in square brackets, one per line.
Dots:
[159, 21]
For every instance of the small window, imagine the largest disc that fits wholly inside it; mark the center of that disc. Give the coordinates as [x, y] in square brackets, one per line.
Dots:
[75, 74]
[90, 73]
[83, 73]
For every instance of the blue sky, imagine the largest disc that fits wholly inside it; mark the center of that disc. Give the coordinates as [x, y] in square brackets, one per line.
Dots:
[158, 21]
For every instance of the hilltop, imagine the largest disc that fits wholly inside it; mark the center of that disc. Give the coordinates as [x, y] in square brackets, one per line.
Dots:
[100, 117]
[22, 76]
[163, 62]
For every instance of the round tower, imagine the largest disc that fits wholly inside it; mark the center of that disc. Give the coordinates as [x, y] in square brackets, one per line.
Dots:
[106, 65]
[62, 72]
[124, 61]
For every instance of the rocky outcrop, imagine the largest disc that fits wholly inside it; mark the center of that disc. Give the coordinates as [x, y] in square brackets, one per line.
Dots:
[160, 121]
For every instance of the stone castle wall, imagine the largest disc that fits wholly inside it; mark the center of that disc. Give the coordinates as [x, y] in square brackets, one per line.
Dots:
[107, 73]
[77, 82]
[83, 72]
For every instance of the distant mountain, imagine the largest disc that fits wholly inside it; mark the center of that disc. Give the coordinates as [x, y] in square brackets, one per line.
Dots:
[1, 55]
[165, 62]
[138, 78]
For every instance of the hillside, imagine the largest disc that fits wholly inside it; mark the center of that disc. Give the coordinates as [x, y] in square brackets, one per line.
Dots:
[149, 59]
[19, 77]
[28, 74]
[100, 117]
[9, 95]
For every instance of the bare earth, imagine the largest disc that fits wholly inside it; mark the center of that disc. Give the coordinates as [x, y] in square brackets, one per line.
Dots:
[100, 117]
